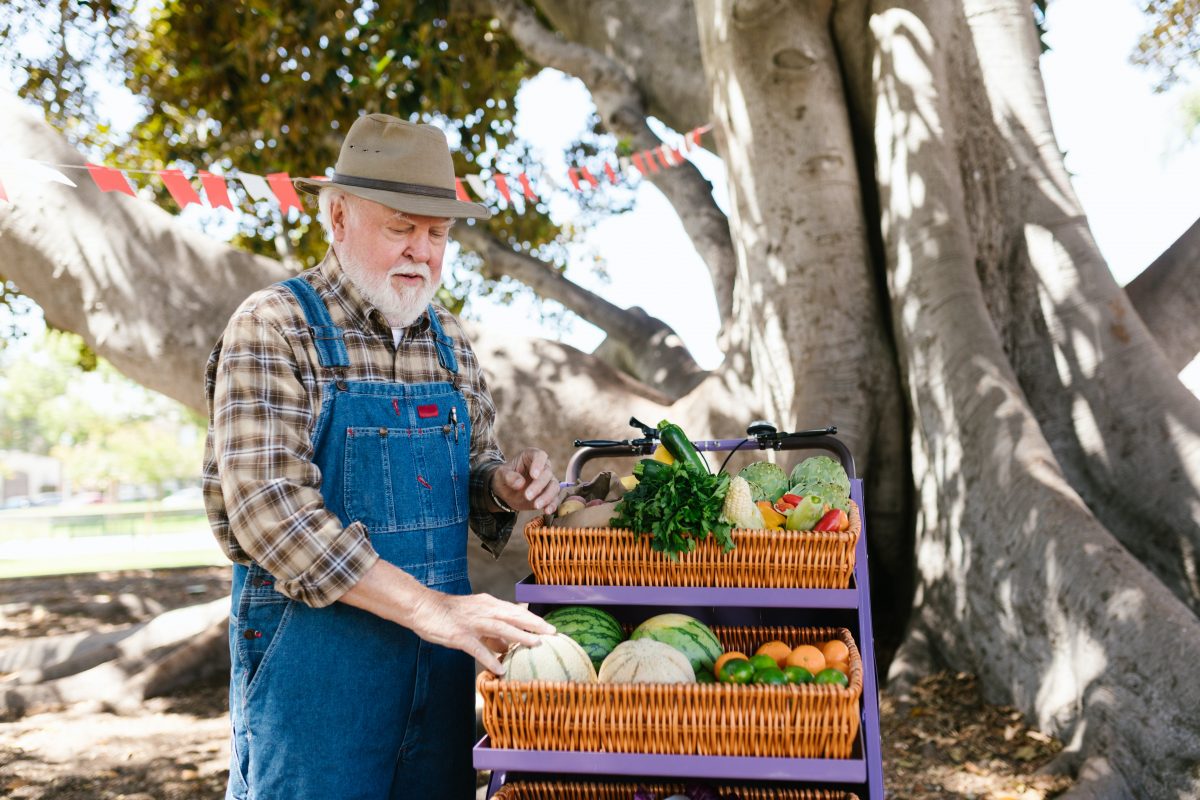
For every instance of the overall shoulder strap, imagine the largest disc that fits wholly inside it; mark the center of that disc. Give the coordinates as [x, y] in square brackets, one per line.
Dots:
[331, 349]
[445, 345]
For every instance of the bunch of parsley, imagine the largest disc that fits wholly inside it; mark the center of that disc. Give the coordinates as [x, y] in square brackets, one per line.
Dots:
[676, 506]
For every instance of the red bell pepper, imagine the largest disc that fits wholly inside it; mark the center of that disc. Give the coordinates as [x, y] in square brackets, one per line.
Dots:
[829, 522]
[792, 500]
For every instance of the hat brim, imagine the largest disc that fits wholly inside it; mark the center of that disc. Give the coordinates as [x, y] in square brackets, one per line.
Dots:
[408, 203]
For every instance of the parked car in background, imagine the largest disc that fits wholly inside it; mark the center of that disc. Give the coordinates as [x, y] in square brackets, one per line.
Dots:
[84, 499]
[191, 496]
[17, 501]
[47, 498]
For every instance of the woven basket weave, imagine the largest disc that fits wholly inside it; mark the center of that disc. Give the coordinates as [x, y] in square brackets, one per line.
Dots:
[794, 721]
[760, 559]
[555, 790]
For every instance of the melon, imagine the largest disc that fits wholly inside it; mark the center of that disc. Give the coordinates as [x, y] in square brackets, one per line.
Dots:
[686, 634]
[556, 658]
[646, 661]
[596, 631]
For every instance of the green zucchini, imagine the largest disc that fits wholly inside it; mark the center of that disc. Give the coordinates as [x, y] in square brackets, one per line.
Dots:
[680, 446]
[647, 467]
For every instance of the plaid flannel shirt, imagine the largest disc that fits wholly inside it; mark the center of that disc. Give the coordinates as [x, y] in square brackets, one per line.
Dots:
[263, 383]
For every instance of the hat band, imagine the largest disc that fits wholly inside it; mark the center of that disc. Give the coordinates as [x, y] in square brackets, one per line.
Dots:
[395, 186]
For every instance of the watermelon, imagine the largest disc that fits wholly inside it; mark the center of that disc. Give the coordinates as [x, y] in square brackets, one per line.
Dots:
[596, 631]
[646, 661]
[556, 658]
[686, 634]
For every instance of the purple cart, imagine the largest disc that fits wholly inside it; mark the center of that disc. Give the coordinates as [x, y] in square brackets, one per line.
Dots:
[849, 608]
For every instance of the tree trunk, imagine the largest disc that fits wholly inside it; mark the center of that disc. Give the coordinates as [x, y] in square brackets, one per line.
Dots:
[1017, 581]
[1166, 295]
[1105, 396]
[807, 335]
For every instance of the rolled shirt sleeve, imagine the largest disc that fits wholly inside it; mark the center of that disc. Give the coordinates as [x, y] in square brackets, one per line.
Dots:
[261, 442]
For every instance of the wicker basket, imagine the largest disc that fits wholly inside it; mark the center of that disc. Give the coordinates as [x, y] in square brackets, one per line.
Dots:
[555, 790]
[794, 721]
[760, 559]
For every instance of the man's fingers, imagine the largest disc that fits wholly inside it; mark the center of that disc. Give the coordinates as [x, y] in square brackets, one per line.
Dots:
[513, 478]
[499, 629]
[538, 461]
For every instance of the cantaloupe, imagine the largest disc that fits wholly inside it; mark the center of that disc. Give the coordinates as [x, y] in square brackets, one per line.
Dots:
[556, 658]
[646, 661]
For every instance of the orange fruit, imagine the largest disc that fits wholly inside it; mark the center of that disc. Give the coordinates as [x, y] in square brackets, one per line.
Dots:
[776, 650]
[835, 650]
[841, 666]
[808, 657]
[720, 662]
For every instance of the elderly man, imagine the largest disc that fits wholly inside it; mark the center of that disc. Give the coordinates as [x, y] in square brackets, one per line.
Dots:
[350, 444]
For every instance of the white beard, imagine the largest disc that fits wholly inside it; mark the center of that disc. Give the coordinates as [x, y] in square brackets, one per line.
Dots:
[401, 305]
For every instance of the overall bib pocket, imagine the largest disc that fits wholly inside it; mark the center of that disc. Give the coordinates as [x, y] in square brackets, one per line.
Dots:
[407, 479]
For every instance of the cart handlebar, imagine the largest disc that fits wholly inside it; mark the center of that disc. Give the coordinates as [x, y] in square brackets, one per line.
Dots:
[821, 439]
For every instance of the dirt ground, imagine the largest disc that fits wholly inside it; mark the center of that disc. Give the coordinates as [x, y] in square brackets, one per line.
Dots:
[944, 742]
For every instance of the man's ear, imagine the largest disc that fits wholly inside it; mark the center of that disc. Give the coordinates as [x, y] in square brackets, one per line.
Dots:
[338, 212]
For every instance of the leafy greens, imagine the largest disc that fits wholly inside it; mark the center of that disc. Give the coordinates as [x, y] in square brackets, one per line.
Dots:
[676, 506]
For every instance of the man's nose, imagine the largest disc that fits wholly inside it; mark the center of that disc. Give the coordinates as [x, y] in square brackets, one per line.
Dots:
[418, 248]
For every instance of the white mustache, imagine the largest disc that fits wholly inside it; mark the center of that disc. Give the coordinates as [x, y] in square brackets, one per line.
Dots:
[411, 269]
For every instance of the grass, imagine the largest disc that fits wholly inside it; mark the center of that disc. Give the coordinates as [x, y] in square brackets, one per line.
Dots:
[97, 538]
[68, 564]
[125, 519]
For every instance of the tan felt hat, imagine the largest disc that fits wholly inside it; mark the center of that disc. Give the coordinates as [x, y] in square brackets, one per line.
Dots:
[400, 164]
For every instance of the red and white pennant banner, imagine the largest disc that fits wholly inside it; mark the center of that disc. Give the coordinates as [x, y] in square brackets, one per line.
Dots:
[277, 189]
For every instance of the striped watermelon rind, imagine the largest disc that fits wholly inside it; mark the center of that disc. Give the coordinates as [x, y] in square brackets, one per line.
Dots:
[594, 629]
[686, 634]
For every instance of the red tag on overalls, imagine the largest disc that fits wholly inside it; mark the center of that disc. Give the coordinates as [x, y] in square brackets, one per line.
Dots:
[425, 412]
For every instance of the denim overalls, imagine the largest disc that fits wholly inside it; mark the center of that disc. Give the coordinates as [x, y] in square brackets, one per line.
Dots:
[336, 703]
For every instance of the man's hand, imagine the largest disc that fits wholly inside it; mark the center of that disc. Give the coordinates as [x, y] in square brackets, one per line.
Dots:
[478, 624]
[526, 483]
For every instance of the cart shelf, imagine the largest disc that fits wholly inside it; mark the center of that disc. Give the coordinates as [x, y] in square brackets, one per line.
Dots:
[530, 591]
[811, 770]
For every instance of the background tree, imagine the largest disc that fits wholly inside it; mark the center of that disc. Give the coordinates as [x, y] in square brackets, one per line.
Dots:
[904, 257]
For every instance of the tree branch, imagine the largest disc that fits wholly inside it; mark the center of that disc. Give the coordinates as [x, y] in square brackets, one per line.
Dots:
[641, 345]
[1166, 296]
[619, 101]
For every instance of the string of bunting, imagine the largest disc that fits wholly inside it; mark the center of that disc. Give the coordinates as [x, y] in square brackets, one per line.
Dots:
[276, 188]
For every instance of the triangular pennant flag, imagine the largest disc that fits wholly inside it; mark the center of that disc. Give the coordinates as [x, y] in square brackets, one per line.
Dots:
[256, 187]
[179, 187]
[589, 177]
[608, 170]
[640, 163]
[460, 192]
[282, 186]
[215, 190]
[476, 184]
[110, 180]
[676, 155]
[27, 170]
[502, 185]
[650, 160]
[693, 137]
[661, 152]
[573, 174]
[527, 187]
